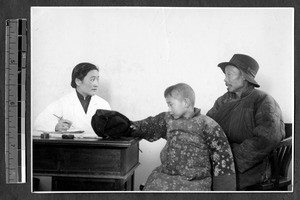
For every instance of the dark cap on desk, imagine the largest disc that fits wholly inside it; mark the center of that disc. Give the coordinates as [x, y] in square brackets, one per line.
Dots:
[111, 124]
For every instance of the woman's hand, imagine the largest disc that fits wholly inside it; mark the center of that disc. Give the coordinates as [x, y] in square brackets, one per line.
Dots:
[63, 125]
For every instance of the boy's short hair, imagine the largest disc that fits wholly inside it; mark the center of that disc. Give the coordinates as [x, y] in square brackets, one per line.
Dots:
[182, 90]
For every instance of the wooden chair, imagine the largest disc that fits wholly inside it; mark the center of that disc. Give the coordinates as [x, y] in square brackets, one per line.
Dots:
[280, 160]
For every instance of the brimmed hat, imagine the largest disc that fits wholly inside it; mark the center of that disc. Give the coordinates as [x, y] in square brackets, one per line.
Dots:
[246, 64]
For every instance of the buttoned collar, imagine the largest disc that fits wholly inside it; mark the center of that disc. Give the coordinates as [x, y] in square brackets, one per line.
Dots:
[80, 97]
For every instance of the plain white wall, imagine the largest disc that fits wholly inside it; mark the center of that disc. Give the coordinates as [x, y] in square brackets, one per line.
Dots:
[142, 51]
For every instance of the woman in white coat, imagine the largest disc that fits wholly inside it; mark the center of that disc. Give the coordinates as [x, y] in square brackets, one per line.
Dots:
[75, 110]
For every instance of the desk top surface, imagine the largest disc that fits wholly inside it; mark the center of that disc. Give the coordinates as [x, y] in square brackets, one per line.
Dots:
[124, 142]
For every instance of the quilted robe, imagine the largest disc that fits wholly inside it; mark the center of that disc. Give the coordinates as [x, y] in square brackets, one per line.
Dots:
[254, 126]
[196, 157]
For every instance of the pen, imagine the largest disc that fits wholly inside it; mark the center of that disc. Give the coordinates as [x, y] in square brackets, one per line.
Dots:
[58, 116]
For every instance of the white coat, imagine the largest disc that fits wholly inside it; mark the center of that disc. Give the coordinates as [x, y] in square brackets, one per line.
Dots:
[70, 108]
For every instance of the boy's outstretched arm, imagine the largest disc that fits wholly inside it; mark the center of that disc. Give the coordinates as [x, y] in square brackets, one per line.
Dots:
[151, 128]
[223, 169]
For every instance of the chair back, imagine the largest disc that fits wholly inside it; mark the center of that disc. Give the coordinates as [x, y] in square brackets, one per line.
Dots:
[281, 159]
[284, 150]
[288, 129]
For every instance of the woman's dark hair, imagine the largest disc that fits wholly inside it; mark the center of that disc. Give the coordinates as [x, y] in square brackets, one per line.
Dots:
[80, 71]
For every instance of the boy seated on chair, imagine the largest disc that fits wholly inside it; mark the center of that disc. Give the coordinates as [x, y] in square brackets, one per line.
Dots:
[197, 155]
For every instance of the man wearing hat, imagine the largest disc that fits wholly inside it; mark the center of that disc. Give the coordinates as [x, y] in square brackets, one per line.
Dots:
[251, 119]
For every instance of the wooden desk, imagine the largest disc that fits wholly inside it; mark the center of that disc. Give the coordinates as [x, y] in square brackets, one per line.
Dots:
[86, 164]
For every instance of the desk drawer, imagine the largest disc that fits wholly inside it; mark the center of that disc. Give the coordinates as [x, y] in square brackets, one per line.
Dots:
[91, 184]
[89, 160]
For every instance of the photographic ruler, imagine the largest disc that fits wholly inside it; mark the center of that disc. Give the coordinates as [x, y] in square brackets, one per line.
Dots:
[15, 97]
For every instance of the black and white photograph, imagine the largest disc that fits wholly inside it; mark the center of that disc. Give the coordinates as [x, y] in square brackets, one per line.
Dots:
[162, 99]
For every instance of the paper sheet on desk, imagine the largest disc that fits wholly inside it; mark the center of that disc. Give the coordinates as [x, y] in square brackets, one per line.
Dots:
[59, 134]
[76, 133]
[71, 132]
